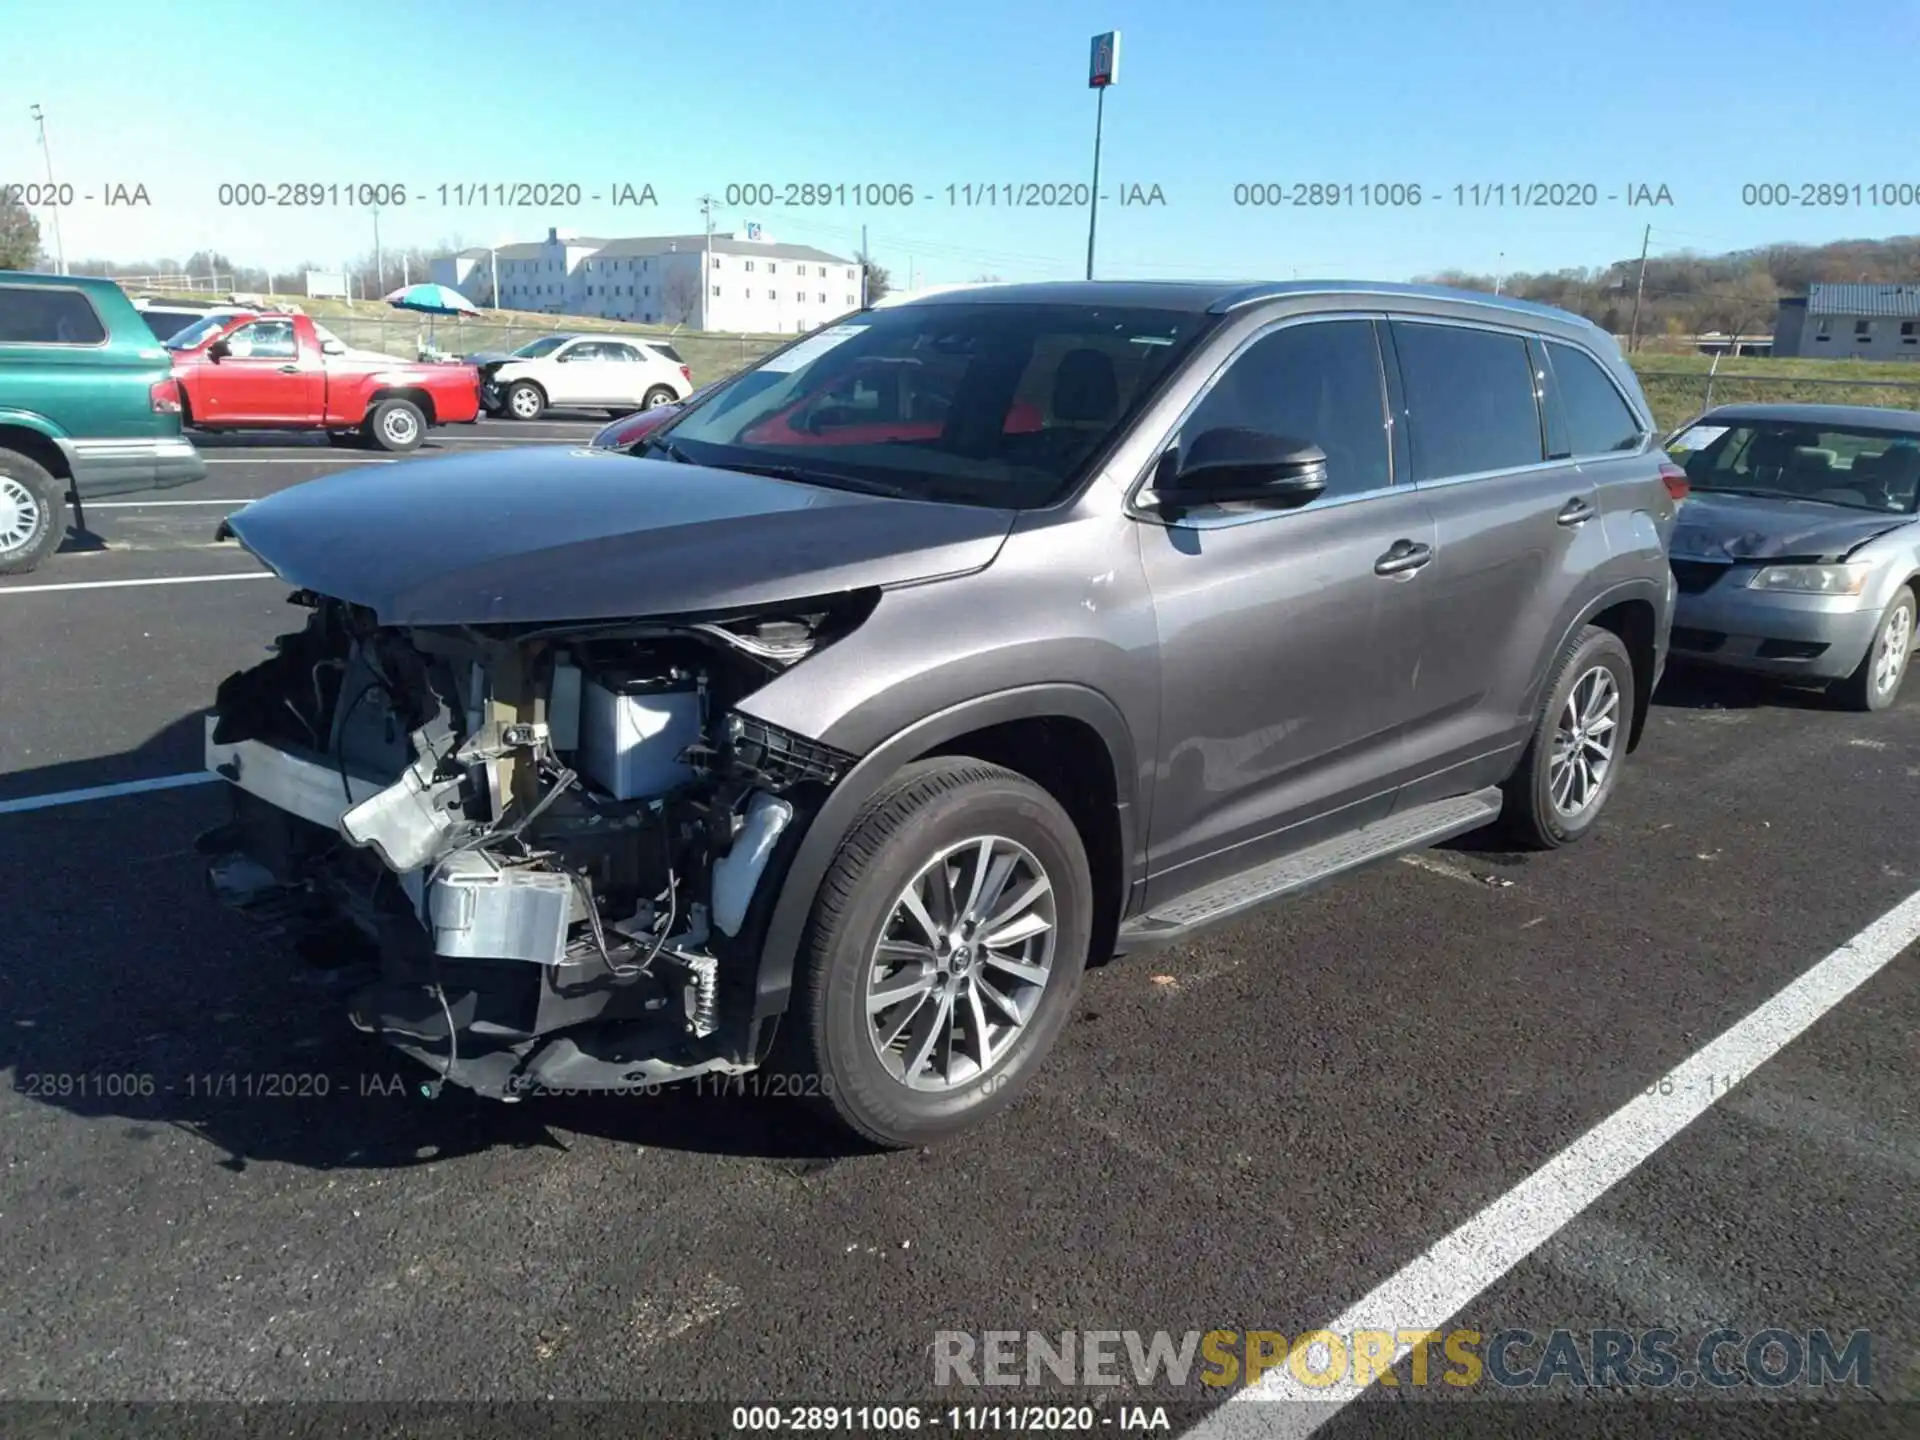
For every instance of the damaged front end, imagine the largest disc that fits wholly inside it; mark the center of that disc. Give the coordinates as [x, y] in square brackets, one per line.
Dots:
[540, 854]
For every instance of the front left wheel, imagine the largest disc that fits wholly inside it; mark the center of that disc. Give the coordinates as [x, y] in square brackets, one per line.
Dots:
[944, 953]
[31, 519]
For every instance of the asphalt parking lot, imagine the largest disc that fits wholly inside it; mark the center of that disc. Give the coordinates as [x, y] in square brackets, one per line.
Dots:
[1255, 1132]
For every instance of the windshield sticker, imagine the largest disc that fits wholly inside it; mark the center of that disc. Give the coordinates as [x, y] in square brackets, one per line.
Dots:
[1700, 437]
[811, 349]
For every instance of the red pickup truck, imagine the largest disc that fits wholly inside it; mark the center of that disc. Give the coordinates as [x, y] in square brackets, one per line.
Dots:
[260, 370]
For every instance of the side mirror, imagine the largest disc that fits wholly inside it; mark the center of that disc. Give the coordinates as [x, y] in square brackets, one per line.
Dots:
[333, 347]
[1246, 466]
[219, 350]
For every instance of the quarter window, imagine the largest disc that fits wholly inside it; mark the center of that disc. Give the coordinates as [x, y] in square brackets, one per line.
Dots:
[1318, 381]
[31, 316]
[1470, 399]
[1599, 421]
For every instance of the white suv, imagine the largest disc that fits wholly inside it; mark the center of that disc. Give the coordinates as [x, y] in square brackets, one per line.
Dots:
[584, 372]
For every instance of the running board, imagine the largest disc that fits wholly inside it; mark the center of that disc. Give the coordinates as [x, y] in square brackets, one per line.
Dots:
[1415, 829]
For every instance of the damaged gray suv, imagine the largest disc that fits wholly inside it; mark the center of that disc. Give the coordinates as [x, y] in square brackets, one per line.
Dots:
[841, 723]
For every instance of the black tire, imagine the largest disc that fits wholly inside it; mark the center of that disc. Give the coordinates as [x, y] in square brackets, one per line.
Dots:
[927, 807]
[1529, 816]
[523, 395]
[658, 395]
[346, 439]
[396, 425]
[1859, 690]
[31, 496]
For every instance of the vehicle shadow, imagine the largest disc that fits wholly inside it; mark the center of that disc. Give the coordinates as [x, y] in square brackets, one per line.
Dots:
[129, 995]
[1702, 687]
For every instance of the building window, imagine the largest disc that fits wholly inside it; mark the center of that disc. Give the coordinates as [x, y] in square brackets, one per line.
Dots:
[823, 297]
[716, 291]
[749, 264]
[646, 290]
[1862, 327]
[823, 275]
[716, 262]
[851, 300]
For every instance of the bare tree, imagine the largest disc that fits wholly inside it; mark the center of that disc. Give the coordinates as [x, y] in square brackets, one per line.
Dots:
[680, 297]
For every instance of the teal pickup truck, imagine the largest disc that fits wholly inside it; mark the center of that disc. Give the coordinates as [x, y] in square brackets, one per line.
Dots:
[88, 407]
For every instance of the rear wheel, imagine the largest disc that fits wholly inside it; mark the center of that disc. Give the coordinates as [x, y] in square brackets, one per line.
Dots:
[525, 402]
[396, 425]
[1573, 762]
[944, 953]
[1875, 684]
[657, 396]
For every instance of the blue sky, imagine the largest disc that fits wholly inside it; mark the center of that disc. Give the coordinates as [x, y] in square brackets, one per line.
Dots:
[690, 97]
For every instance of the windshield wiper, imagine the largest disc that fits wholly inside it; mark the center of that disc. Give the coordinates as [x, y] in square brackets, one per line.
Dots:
[667, 448]
[1749, 490]
[832, 479]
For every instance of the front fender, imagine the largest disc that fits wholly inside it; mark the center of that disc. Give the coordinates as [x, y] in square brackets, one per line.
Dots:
[813, 854]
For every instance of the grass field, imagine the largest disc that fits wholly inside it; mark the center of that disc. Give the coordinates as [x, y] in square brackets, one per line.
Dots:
[1676, 385]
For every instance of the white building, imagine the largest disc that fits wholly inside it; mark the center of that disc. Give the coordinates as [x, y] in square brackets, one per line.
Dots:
[706, 282]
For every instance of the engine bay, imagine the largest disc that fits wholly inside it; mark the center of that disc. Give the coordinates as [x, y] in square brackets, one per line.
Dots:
[534, 853]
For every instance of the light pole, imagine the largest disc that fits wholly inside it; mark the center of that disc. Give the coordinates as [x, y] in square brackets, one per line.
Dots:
[493, 261]
[1103, 71]
[379, 270]
[59, 248]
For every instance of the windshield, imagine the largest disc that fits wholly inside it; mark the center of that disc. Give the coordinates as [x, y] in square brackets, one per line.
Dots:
[198, 333]
[1859, 468]
[981, 404]
[545, 345]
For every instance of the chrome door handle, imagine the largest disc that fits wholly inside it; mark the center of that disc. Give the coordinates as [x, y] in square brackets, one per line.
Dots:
[1405, 557]
[1575, 512]
[289, 369]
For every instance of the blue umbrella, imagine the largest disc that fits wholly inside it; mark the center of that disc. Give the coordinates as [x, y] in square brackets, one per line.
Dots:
[430, 300]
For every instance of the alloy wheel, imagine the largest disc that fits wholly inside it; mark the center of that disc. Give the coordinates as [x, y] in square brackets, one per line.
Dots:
[19, 515]
[1584, 742]
[525, 404]
[1890, 661]
[961, 964]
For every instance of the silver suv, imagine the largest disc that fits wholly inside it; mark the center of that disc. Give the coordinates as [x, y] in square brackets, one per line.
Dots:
[949, 648]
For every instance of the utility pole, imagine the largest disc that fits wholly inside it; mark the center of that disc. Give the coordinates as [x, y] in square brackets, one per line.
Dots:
[1102, 72]
[1500, 272]
[706, 260]
[379, 269]
[59, 248]
[1639, 286]
[863, 267]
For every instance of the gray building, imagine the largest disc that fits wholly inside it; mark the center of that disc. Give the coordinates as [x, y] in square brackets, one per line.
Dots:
[1850, 322]
[728, 281]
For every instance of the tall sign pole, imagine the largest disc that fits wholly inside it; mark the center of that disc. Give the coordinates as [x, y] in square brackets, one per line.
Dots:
[59, 248]
[1103, 71]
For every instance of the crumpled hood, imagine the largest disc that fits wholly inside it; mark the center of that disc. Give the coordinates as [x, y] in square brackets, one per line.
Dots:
[544, 535]
[1753, 527]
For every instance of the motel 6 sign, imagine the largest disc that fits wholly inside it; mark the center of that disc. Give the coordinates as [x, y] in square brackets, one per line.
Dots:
[1105, 69]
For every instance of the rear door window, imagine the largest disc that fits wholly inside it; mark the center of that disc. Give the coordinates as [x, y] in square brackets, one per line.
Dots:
[1471, 403]
[1599, 420]
[30, 315]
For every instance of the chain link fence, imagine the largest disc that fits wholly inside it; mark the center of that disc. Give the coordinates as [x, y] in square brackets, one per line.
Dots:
[1677, 393]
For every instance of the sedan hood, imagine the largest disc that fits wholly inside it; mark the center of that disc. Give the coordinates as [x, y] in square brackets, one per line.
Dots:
[538, 535]
[1753, 527]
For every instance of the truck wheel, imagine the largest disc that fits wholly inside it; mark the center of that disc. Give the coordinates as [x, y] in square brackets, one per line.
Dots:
[1573, 761]
[396, 425]
[1875, 683]
[525, 402]
[31, 525]
[944, 953]
[657, 396]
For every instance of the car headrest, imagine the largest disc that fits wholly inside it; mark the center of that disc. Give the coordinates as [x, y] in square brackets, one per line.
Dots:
[1085, 387]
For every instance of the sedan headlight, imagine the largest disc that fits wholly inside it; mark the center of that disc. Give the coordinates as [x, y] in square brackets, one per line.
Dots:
[1813, 579]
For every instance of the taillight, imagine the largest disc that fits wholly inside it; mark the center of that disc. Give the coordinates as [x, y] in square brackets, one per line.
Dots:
[686, 374]
[165, 395]
[1676, 480]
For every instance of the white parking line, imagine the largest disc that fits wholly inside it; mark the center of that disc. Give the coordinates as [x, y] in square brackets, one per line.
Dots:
[155, 504]
[105, 792]
[123, 584]
[1439, 1284]
[320, 458]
